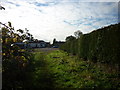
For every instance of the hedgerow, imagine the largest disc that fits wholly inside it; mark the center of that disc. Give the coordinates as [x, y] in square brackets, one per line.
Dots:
[102, 45]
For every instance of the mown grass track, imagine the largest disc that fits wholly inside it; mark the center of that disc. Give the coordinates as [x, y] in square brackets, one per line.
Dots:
[57, 69]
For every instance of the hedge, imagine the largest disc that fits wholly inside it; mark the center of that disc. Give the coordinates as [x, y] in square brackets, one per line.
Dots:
[102, 45]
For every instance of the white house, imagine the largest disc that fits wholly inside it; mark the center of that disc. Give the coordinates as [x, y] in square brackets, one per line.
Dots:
[33, 44]
[38, 44]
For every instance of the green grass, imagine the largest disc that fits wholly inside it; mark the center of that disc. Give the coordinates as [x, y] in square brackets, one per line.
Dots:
[59, 70]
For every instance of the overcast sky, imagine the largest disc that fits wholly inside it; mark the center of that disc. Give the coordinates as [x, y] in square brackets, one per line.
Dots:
[49, 19]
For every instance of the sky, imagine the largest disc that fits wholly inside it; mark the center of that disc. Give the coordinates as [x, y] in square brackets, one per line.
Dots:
[49, 19]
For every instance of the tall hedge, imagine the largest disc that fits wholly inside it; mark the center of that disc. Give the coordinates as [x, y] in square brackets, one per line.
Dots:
[102, 45]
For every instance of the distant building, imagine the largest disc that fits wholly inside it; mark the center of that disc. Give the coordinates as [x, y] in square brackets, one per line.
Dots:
[21, 45]
[33, 44]
[37, 44]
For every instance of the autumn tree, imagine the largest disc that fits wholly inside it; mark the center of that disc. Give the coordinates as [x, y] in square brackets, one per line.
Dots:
[14, 59]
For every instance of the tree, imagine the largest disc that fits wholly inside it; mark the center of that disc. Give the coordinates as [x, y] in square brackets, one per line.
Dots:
[78, 34]
[14, 59]
[54, 40]
[70, 38]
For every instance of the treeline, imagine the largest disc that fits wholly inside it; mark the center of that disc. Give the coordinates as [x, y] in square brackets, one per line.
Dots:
[102, 45]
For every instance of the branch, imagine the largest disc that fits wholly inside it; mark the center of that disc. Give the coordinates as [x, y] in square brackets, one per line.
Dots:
[6, 26]
[2, 8]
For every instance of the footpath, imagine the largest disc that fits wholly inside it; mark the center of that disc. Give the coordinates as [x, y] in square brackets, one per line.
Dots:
[56, 69]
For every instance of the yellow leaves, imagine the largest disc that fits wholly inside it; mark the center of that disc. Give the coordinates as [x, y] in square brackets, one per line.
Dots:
[8, 40]
[4, 31]
[3, 54]
[11, 40]
[21, 59]
[14, 39]
[22, 50]
[24, 59]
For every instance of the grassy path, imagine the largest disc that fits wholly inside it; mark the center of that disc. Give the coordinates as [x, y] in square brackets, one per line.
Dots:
[57, 69]
[42, 76]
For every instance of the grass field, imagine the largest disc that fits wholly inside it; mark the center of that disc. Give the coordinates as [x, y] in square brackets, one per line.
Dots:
[57, 69]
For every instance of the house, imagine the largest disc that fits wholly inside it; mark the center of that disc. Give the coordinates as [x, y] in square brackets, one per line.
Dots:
[33, 44]
[21, 45]
[38, 44]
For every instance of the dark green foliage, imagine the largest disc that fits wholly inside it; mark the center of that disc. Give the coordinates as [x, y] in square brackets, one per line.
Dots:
[102, 45]
[54, 40]
[70, 38]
